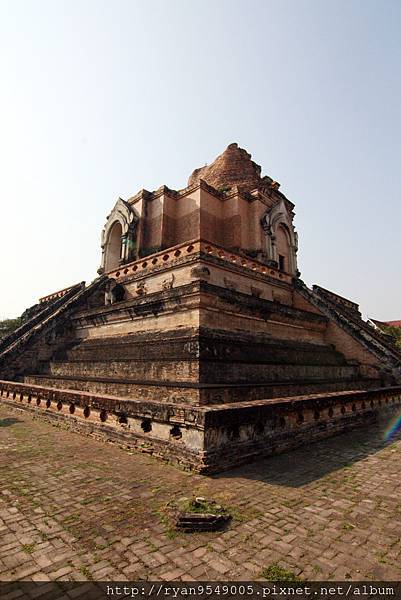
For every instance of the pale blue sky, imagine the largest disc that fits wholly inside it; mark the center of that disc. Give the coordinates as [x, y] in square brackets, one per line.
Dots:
[102, 98]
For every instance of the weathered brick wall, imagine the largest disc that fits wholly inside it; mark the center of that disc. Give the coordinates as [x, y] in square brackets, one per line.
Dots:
[185, 228]
[191, 335]
[301, 303]
[123, 388]
[246, 432]
[143, 370]
[240, 372]
[231, 310]
[208, 439]
[152, 234]
[267, 348]
[170, 433]
[350, 347]
[233, 167]
[237, 392]
[343, 341]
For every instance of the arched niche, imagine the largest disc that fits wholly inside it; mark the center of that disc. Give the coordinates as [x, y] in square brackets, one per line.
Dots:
[283, 247]
[119, 239]
[113, 248]
[281, 239]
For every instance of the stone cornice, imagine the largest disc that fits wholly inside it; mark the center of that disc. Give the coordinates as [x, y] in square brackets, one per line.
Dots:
[170, 257]
[234, 192]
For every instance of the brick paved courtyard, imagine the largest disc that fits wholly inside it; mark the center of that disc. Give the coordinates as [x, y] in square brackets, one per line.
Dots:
[72, 507]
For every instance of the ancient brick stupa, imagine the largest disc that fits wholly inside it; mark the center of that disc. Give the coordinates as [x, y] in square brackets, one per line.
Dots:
[233, 168]
[198, 342]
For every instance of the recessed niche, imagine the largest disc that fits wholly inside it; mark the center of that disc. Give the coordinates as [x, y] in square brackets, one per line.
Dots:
[146, 426]
[176, 433]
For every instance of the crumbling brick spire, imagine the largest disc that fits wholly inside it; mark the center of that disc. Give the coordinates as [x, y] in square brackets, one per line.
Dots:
[234, 167]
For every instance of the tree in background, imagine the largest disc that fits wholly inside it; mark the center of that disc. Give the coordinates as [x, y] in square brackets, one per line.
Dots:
[395, 333]
[7, 326]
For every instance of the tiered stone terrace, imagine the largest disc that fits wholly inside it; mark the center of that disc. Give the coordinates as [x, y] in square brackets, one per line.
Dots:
[198, 342]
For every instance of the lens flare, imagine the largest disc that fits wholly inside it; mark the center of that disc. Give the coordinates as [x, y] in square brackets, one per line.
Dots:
[393, 428]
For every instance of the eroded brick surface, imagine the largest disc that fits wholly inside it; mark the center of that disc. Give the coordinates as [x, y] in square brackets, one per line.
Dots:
[75, 508]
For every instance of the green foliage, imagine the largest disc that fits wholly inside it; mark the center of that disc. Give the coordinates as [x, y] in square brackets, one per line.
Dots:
[395, 332]
[7, 326]
[86, 573]
[203, 506]
[148, 251]
[276, 573]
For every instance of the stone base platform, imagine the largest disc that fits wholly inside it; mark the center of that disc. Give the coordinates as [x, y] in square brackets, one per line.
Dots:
[196, 394]
[205, 439]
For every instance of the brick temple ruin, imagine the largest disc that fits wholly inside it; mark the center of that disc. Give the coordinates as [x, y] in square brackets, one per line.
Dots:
[198, 342]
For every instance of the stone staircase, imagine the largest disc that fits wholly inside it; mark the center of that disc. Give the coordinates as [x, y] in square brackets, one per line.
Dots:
[33, 342]
[40, 313]
[350, 320]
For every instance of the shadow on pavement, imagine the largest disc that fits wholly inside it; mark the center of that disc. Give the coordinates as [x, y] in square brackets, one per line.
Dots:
[9, 421]
[310, 462]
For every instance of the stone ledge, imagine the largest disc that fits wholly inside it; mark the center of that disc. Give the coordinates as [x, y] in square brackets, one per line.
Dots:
[189, 384]
[111, 404]
[206, 439]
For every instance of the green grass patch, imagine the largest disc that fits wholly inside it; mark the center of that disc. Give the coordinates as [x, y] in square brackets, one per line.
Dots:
[71, 519]
[165, 520]
[202, 506]
[276, 573]
[28, 548]
[87, 501]
[86, 573]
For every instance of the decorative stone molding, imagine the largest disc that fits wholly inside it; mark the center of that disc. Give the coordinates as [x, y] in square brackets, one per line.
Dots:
[200, 273]
[141, 288]
[161, 261]
[127, 217]
[167, 284]
[276, 217]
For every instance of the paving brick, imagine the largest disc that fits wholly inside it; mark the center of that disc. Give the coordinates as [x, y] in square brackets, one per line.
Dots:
[103, 511]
